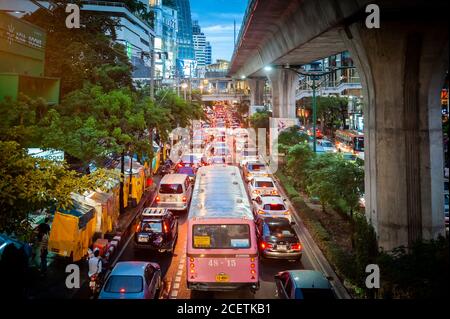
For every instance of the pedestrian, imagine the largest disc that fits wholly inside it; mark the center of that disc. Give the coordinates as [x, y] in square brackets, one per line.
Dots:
[44, 253]
[43, 228]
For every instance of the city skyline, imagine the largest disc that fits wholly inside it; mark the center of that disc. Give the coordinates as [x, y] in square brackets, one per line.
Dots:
[216, 19]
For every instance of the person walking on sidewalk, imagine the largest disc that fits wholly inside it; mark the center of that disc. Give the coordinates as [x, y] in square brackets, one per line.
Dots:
[44, 253]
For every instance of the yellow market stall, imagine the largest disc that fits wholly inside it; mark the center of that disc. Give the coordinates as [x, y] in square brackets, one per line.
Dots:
[72, 231]
[135, 178]
[103, 204]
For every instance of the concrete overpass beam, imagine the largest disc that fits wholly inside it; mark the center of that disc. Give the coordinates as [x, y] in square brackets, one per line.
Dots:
[402, 66]
[284, 84]
[256, 91]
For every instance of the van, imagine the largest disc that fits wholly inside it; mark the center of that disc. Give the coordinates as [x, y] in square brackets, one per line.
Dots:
[174, 192]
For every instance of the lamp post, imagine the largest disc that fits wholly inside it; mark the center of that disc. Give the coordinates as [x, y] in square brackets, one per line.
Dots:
[184, 86]
[314, 75]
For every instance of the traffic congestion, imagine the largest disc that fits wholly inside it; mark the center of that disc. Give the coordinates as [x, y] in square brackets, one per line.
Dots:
[218, 226]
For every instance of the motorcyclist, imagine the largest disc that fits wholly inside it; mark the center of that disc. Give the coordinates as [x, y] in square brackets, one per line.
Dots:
[95, 266]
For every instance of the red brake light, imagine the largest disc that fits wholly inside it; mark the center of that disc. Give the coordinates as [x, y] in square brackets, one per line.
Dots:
[138, 228]
[184, 199]
[166, 228]
[122, 290]
[157, 198]
[265, 245]
[180, 165]
[296, 246]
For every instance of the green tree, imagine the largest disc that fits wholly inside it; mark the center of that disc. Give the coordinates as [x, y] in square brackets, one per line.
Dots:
[298, 158]
[90, 53]
[29, 184]
[321, 180]
[260, 119]
[332, 111]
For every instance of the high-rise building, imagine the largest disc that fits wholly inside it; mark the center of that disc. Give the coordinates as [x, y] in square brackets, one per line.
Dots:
[208, 53]
[185, 56]
[199, 49]
[133, 31]
[166, 27]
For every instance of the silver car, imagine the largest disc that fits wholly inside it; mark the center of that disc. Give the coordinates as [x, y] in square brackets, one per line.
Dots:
[133, 280]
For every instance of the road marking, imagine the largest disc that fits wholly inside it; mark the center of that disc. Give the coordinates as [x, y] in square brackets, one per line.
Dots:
[178, 278]
[174, 294]
[176, 285]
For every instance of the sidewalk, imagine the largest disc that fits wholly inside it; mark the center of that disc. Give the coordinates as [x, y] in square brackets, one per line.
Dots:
[52, 286]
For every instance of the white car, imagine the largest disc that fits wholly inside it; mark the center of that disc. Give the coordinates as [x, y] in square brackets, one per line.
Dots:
[255, 169]
[271, 206]
[327, 146]
[262, 186]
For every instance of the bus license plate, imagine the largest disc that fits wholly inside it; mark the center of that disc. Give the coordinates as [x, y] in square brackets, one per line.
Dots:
[222, 278]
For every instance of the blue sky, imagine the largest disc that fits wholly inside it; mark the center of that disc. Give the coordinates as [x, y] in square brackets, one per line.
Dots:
[216, 21]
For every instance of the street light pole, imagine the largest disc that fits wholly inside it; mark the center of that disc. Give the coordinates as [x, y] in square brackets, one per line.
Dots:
[314, 102]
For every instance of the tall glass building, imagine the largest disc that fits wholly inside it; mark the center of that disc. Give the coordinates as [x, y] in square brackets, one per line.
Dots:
[186, 55]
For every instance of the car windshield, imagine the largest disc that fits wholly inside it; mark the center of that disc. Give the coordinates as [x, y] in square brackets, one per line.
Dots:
[278, 230]
[186, 170]
[264, 184]
[124, 284]
[151, 226]
[274, 207]
[312, 293]
[222, 236]
[256, 167]
[171, 189]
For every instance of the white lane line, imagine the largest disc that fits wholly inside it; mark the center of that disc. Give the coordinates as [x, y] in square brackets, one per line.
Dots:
[178, 278]
[174, 294]
[176, 285]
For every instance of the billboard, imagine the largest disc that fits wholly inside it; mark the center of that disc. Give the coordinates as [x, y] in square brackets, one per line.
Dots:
[186, 68]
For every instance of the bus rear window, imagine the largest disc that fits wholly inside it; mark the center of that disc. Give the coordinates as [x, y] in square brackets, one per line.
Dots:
[221, 236]
[171, 189]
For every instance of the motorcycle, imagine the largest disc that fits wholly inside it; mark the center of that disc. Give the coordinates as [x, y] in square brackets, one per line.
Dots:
[95, 284]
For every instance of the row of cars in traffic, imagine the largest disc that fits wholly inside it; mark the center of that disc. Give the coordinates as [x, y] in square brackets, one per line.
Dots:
[157, 228]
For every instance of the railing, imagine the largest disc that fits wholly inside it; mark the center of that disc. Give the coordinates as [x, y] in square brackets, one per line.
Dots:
[325, 89]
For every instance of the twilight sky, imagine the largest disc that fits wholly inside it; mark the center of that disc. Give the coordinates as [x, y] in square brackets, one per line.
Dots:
[216, 21]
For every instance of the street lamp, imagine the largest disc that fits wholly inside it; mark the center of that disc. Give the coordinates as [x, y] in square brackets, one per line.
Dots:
[184, 87]
[314, 75]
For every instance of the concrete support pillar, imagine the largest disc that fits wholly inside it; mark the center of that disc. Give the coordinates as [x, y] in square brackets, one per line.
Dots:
[284, 84]
[256, 91]
[402, 67]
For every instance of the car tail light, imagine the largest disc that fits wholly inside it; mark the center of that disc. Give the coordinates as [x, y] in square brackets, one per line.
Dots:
[138, 228]
[296, 246]
[158, 199]
[184, 198]
[256, 191]
[122, 290]
[265, 245]
[274, 193]
[166, 228]
[261, 212]
[286, 212]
